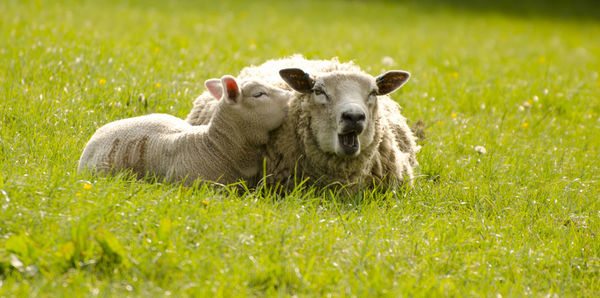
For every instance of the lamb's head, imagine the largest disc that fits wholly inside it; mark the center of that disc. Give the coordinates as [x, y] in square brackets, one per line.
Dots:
[343, 106]
[257, 107]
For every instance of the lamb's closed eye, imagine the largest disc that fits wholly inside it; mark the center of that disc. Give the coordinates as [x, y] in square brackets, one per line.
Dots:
[259, 94]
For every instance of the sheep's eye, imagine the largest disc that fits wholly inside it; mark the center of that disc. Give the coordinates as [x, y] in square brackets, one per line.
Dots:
[373, 93]
[319, 91]
[259, 94]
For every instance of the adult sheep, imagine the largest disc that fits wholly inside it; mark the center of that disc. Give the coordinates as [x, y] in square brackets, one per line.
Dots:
[342, 127]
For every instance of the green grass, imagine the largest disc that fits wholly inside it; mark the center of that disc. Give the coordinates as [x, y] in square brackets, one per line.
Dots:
[523, 219]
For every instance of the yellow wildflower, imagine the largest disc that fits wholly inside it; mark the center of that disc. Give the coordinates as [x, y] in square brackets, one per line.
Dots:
[541, 59]
[525, 124]
[205, 202]
[87, 186]
[78, 194]
[102, 81]
[252, 45]
[454, 115]
[455, 74]
[157, 85]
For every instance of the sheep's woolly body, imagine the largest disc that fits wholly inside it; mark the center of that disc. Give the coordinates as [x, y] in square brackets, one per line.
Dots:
[268, 72]
[293, 153]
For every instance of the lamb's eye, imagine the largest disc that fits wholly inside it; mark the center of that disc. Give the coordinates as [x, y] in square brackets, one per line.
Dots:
[259, 94]
[373, 93]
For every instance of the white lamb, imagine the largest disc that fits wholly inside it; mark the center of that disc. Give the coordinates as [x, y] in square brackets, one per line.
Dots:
[342, 127]
[227, 149]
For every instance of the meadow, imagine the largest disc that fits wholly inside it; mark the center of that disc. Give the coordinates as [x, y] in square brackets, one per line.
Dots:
[520, 218]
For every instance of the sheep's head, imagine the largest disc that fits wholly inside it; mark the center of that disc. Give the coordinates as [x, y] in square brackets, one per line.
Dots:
[254, 104]
[343, 106]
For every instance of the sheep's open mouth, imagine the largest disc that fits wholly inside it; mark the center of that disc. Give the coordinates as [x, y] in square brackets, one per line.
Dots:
[349, 143]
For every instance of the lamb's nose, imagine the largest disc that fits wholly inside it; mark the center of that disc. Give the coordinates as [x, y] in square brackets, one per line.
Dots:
[353, 116]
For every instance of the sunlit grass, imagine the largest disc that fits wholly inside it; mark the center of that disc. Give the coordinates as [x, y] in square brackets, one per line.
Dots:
[507, 200]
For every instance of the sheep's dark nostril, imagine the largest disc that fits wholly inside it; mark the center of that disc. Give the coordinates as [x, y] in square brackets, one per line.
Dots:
[353, 117]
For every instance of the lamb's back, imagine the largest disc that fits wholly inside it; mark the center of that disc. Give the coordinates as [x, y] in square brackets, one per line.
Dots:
[129, 143]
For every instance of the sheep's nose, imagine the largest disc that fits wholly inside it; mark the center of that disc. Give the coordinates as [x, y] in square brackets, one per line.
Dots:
[353, 116]
[353, 121]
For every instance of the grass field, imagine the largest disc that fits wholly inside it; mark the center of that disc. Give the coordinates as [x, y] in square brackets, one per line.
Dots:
[520, 80]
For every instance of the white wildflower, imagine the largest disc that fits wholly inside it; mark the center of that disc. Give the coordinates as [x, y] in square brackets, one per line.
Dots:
[388, 61]
[480, 149]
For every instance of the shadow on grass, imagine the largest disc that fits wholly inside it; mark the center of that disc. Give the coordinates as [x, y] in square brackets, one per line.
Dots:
[553, 9]
[557, 9]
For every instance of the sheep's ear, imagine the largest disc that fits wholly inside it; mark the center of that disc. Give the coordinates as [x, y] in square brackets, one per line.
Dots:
[390, 81]
[297, 79]
[214, 87]
[231, 89]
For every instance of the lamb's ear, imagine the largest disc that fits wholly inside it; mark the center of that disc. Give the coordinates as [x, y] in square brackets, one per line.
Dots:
[297, 79]
[231, 89]
[214, 87]
[390, 81]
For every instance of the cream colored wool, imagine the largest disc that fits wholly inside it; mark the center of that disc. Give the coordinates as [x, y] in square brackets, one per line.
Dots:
[227, 149]
[293, 153]
[204, 107]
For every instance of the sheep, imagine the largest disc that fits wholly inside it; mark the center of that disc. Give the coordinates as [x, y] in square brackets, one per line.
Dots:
[335, 132]
[228, 148]
[342, 127]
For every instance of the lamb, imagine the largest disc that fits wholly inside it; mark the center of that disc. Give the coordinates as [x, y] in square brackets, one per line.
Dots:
[228, 148]
[342, 127]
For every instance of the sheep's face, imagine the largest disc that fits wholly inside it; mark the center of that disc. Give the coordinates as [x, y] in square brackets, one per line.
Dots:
[264, 104]
[343, 109]
[257, 105]
[343, 106]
